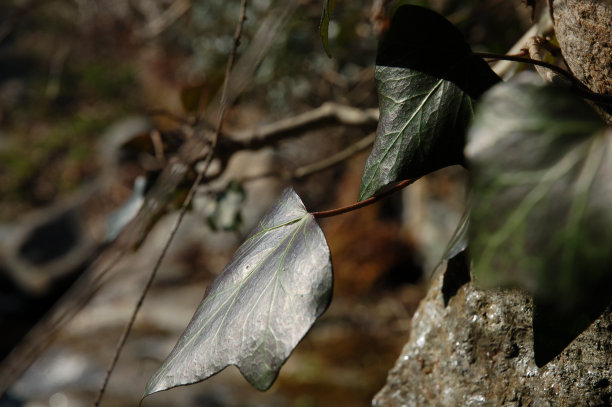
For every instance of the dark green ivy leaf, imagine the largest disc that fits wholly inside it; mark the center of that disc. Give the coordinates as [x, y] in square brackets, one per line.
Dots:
[263, 303]
[427, 81]
[328, 9]
[541, 166]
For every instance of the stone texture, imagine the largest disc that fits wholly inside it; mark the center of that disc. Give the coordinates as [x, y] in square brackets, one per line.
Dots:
[478, 351]
[584, 33]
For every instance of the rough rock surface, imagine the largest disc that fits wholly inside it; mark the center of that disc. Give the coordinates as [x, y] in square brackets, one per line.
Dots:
[478, 351]
[584, 33]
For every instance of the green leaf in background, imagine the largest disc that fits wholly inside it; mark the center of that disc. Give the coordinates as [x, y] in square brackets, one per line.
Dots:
[328, 9]
[263, 303]
[455, 262]
[224, 212]
[541, 166]
[427, 81]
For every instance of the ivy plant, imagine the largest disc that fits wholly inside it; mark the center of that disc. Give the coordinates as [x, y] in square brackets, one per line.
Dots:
[265, 300]
[541, 212]
[541, 208]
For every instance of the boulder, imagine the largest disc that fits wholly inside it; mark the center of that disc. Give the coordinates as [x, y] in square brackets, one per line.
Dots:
[470, 347]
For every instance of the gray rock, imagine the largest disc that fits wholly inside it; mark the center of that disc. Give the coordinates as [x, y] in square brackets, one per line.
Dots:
[478, 351]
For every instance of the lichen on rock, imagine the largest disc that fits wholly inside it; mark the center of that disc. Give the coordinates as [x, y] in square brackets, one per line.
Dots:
[478, 351]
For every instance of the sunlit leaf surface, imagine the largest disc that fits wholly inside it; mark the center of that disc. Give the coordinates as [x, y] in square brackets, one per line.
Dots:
[263, 303]
[427, 86]
[541, 165]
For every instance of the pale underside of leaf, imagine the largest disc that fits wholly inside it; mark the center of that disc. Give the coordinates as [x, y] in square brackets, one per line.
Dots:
[420, 129]
[263, 303]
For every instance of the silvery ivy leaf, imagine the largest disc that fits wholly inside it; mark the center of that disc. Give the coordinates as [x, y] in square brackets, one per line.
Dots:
[427, 81]
[328, 9]
[541, 166]
[263, 303]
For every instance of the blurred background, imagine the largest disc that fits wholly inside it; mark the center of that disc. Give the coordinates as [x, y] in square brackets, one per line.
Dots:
[96, 95]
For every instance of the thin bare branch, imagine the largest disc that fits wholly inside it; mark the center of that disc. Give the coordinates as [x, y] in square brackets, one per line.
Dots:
[325, 115]
[537, 48]
[145, 290]
[328, 162]
[335, 159]
[172, 116]
[502, 67]
[158, 146]
[157, 26]
[193, 150]
[156, 200]
[244, 71]
[183, 211]
[93, 279]
[577, 86]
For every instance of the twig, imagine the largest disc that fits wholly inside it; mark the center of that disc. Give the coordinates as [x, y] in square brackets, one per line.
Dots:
[145, 290]
[334, 159]
[176, 10]
[502, 67]
[366, 202]
[228, 70]
[93, 279]
[536, 48]
[128, 327]
[576, 84]
[158, 146]
[156, 200]
[526, 60]
[182, 212]
[325, 115]
[244, 71]
[174, 117]
[192, 150]
[328, 162]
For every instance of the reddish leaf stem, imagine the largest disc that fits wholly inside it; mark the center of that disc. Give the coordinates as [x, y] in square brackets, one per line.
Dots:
[366, 202]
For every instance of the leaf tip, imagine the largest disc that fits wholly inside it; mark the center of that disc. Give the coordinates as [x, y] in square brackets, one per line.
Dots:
[263, 380]
[156, 383]
[150, 388]
[328, 9]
